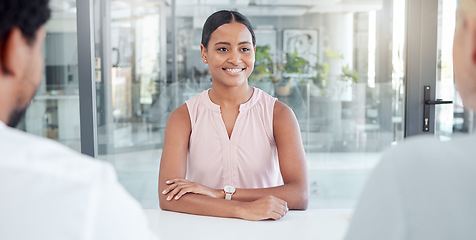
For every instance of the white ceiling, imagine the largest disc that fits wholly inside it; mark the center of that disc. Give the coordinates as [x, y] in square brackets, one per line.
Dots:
[295, 2]
[349, 6]
[203, 8]
[212, 2]
[275, 7]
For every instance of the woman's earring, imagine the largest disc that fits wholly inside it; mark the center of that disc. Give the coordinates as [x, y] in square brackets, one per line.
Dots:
[205, 60]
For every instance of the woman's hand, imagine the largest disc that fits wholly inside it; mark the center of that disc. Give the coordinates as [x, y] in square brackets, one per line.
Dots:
[268, 207]
[179, 186]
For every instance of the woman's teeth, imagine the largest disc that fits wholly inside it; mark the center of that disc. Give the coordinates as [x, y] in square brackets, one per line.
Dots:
[234, 69]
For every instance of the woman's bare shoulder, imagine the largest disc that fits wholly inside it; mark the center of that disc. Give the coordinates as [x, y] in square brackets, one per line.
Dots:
[179, 117]
[281, 110]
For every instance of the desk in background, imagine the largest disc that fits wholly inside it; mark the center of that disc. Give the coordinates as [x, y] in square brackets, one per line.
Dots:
[326, 224]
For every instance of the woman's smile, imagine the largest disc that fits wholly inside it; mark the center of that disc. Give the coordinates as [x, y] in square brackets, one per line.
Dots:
[234, 70]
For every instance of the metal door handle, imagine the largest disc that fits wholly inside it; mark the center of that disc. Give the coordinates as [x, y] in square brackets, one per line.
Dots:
[437, 101]
[426, 110]
[116, 64]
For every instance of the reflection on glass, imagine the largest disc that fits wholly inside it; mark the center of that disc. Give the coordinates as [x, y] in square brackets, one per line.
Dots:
[54, 112]
[328, 62]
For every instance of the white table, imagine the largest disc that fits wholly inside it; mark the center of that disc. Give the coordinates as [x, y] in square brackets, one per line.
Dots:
[326, 224]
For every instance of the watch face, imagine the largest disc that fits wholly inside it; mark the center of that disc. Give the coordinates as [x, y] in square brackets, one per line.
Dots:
[229, 189]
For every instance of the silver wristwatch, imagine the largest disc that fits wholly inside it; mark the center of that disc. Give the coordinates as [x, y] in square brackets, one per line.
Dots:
[229, 190]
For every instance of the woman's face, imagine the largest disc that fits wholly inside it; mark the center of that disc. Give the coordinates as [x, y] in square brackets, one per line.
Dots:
[230, 54]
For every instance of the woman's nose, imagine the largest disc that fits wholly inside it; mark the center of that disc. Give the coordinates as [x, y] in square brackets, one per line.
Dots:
[234, 57]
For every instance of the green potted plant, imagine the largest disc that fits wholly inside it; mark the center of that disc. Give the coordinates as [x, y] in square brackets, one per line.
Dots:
[293, 66]
[263, 75]
[349, 74]
[263, 69]
[321, 81]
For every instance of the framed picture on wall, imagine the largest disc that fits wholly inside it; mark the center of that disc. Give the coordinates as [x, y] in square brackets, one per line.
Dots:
[305, 43]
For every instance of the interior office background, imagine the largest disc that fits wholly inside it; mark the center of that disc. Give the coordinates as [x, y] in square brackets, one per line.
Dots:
[353, 72]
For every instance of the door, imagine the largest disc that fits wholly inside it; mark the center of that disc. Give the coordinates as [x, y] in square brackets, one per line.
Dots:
[429, 66]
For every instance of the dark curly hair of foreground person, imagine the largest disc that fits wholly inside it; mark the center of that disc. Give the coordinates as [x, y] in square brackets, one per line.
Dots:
[27, 15]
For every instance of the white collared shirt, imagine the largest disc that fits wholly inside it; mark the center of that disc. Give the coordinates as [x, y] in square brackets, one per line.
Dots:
[48, 191]
[421, 189]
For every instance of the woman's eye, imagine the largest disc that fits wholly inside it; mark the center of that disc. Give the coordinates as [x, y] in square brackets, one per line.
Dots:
[222, 49]
[245, 49]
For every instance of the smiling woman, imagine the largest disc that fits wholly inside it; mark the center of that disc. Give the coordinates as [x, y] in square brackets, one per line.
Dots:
[233, 150]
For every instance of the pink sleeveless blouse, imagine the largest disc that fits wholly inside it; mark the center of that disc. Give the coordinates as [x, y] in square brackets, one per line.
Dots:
[248, 159]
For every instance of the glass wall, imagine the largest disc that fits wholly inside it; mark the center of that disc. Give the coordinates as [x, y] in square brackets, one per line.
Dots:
[130, 67]
[339, 65]
[54, 111]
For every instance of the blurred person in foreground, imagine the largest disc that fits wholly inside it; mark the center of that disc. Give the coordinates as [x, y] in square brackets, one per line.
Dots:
[423, 188]
[48, 191]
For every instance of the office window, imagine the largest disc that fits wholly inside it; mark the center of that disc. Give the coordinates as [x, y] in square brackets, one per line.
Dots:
[54, 111]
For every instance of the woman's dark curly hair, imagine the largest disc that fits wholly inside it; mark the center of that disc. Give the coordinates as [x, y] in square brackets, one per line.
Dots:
[27, 15]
